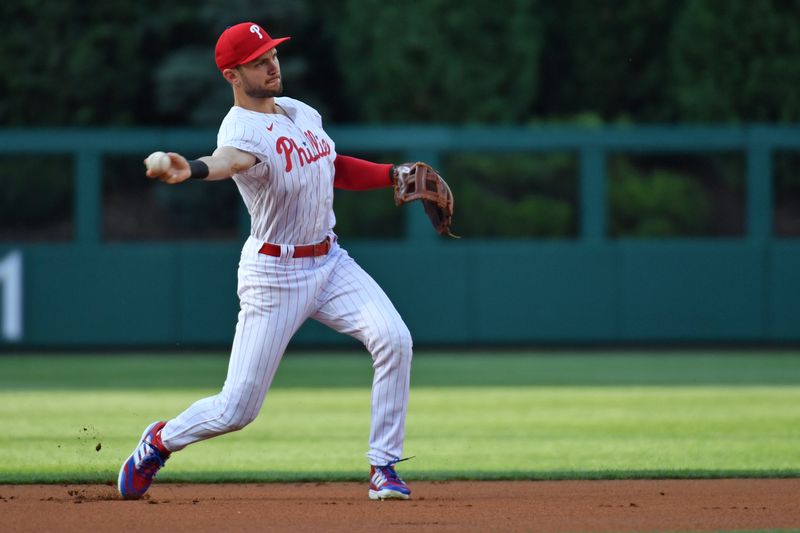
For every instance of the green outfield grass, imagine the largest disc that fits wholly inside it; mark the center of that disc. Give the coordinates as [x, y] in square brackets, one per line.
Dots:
[472, 415]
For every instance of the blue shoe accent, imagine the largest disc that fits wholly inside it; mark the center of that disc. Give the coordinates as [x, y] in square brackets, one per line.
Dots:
[139, 469]
[386, 484]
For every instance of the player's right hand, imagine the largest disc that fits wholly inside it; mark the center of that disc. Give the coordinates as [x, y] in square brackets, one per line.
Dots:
[177, 171]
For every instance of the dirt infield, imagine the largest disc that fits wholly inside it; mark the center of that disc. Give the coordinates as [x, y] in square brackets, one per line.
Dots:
[640, 505]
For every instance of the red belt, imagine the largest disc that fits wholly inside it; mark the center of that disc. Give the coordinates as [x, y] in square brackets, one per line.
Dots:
[305, 250]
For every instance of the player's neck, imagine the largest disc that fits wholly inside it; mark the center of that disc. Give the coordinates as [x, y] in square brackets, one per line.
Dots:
[259, 105]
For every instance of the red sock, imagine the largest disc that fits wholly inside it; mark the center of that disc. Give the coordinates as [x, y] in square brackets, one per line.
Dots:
[160, 445]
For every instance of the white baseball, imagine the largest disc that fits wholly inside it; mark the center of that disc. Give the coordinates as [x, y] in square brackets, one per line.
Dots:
[158, 162]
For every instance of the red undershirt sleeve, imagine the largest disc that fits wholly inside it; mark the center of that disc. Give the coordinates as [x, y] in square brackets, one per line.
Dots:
[356, 174]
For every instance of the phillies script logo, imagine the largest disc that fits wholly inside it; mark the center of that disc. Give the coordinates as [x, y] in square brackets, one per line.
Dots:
[313, 149]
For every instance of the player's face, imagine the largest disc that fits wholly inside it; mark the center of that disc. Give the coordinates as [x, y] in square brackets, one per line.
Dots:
[261, 78]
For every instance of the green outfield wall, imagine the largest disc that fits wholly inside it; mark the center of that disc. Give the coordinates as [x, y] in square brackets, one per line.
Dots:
[588, 289]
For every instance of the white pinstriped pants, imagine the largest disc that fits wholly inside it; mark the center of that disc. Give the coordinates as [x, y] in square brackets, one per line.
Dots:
[278, 294]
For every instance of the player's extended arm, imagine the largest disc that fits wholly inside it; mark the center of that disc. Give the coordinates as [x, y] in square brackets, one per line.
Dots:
[359, 175]
[222, 164]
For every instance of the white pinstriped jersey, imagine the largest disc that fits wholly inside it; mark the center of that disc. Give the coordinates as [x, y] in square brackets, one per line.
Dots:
[289, 193]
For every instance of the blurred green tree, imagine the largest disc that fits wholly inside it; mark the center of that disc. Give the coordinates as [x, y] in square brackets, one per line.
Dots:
[513, 195]
[606, 57]
[66, 63]
[737, 60]
[658, 204]
[440, 60]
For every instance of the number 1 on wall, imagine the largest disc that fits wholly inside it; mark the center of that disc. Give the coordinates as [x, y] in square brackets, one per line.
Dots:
[11, 287]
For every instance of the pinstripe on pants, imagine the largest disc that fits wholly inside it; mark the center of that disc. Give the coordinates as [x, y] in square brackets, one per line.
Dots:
[277, 295]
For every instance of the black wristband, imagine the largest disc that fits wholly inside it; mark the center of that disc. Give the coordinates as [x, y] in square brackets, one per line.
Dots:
[198, 170]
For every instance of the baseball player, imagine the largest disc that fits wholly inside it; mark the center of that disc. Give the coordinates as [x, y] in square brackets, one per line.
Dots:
[291, 267]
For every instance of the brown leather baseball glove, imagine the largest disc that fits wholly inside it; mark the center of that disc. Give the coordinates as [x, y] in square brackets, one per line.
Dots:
[418, 181]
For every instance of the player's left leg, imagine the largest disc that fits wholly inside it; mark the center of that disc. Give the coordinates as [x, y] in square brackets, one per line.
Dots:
[353, 303]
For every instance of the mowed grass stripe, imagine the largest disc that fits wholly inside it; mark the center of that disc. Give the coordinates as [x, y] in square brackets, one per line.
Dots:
[171, 371]
[543, 432]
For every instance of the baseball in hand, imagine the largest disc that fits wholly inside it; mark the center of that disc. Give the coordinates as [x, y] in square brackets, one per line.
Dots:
[158, 162]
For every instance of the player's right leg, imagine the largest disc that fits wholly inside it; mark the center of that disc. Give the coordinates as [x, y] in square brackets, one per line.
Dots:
[274, 303]
[274, 297]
